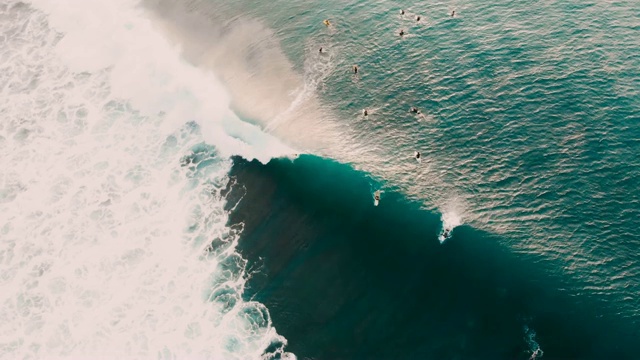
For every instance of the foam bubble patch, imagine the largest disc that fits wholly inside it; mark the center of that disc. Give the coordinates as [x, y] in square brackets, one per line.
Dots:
[114, 241]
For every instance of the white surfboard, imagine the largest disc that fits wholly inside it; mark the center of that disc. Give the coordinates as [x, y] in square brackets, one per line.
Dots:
[376, 198]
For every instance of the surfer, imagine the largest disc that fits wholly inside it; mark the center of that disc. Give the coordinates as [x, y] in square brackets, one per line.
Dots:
[320, 51]
[446, 233]
[453, 13]
[402, 32]
[355, 69]
[402, 12]
[376, 198]
[418, 18]
[365, 112]
[417, 155]
[415, 110]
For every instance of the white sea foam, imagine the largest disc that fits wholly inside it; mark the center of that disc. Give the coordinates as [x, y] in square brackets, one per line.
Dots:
[148, 71]
[534, 347]
[451, 217]
[110, 199]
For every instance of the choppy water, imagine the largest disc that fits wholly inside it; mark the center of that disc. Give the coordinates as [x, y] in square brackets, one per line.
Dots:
[528, 131]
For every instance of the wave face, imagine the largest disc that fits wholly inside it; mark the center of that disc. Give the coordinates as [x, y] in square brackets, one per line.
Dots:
[114, 241]
[344, 279]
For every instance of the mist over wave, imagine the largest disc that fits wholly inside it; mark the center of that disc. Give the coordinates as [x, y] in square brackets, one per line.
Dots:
[262, 81]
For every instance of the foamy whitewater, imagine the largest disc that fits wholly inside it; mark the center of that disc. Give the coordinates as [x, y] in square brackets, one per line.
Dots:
[113, 155]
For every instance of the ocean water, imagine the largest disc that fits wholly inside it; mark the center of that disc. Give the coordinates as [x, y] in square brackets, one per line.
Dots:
[193, 179]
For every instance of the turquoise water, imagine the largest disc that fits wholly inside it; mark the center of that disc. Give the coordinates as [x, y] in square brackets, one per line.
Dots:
[344, 279]
[529, 133]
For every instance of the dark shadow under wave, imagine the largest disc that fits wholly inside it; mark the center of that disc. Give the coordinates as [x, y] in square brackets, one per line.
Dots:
[346, 280]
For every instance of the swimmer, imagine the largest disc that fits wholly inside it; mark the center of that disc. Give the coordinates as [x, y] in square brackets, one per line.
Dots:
[355, 69]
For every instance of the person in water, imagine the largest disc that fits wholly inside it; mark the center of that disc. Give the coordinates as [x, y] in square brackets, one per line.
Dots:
[320, 51]
[365, 112]
[377, 197]
[453, 13]
[418, 18]
[418, 155]
[415, 110]
[402, 12]
[402, 32]
[355, 69]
